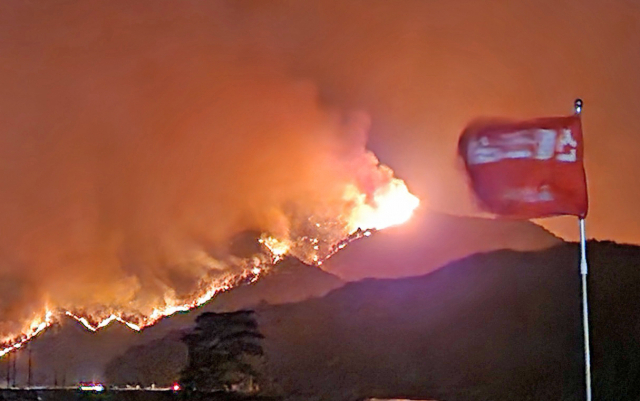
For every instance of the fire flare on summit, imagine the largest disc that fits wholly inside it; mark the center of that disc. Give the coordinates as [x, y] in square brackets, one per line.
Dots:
[388, 205]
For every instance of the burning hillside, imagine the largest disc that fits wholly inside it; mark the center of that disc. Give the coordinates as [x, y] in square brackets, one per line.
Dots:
[126, 166]
[390, 204]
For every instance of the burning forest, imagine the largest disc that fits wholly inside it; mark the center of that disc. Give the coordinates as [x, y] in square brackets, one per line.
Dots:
[123, 178]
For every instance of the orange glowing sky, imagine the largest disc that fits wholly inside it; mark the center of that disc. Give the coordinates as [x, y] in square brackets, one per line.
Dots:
[422, 70]
[136, 136]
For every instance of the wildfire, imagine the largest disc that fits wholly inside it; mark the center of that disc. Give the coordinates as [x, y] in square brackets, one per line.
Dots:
[389, 205]
[40, 324]
[277, 248]
[102, 323]
[37, 326]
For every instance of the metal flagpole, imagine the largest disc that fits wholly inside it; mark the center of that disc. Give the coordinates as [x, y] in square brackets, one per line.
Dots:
[584, 268]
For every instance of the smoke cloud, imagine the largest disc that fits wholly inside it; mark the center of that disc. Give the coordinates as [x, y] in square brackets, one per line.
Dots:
[136, 136]
[136, 142]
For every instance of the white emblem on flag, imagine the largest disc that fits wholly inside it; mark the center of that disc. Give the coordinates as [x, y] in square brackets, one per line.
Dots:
[566, 141]
[546, 144]
[537, 144]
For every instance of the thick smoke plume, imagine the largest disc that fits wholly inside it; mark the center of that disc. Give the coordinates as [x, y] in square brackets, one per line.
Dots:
[135, 143]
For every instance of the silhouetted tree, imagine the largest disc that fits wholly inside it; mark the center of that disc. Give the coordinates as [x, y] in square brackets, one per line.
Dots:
[224, 353]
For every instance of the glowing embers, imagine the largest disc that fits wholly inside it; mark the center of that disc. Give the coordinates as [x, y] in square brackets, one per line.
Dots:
[276, 247]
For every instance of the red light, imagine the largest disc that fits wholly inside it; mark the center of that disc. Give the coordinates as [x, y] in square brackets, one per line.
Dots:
[175, 387]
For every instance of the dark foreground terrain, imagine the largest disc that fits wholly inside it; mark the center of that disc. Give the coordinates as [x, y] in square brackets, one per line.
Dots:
[503, 325]
[498, 326]
[124, 395]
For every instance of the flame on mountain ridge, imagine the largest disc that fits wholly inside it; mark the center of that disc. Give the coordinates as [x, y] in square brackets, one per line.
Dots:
[94, 323]
[389, 205]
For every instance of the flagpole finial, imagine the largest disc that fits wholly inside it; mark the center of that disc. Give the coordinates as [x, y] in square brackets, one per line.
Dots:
[577, 106]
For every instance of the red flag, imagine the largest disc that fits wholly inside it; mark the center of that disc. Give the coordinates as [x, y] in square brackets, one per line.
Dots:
[527, 169]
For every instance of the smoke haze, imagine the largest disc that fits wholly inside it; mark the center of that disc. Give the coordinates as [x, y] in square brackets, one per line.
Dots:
[137, 137]
[136, 142]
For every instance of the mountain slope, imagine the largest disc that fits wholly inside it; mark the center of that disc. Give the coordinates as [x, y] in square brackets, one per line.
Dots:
[499, 326]
[68, 353]
[86, 354]
[503, 325]
[430, 240]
